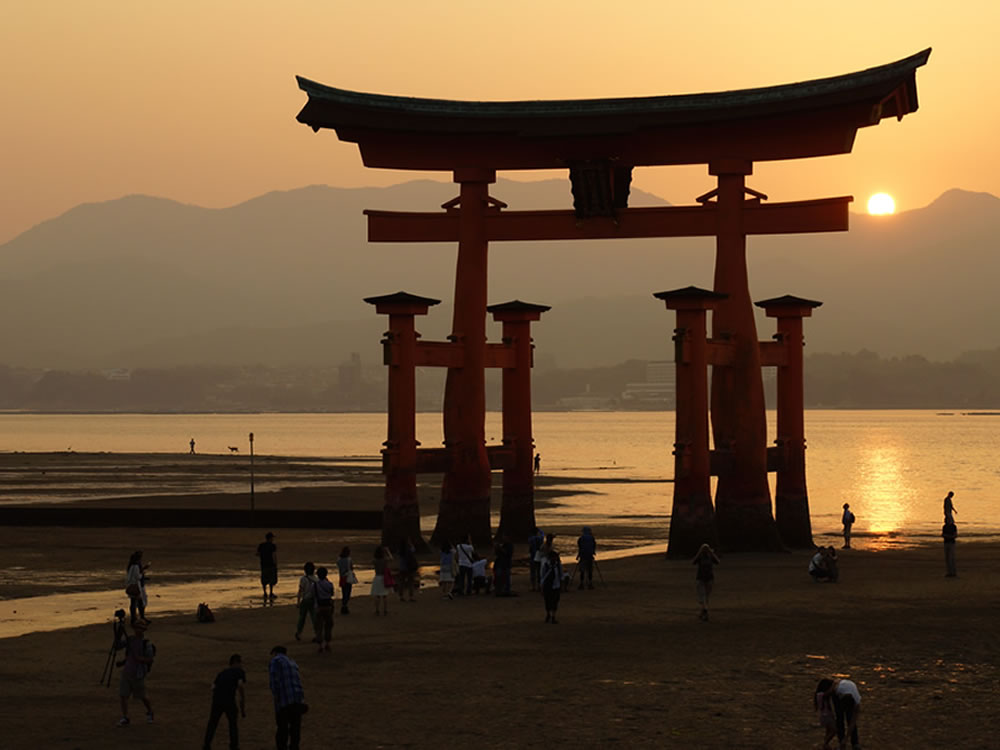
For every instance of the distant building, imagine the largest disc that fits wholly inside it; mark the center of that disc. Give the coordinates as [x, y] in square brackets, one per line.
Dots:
[657, 391]
[118, 373]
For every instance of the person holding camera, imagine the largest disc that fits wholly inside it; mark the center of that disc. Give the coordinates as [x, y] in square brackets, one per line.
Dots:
[138, 658]
[229, 684]
[135, 586]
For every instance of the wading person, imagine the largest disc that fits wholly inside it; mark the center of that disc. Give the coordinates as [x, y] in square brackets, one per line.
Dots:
[324, 609]
[135, 586]
[345, 568]
[229, 685]
[949, 532]
[289, 698]
[306, 599]
[848, 520]
[586, 551]
[138, 657]
[949, 508]
[704, 577]
[551, 577]
[268, 554]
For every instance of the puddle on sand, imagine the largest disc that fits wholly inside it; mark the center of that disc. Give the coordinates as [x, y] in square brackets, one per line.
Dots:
[57, 611]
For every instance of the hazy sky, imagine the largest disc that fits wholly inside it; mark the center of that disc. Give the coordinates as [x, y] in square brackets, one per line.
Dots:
[196, 101]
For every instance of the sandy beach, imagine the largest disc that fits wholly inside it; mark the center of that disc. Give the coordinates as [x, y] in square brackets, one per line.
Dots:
[628, 664]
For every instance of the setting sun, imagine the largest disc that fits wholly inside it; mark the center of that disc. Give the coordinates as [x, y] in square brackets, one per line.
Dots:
[881, 204]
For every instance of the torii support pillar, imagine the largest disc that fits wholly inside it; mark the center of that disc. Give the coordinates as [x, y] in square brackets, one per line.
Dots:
[692, 519]
[401, 513]
[791, 499]
[517, 511]
[465, 491]
[739, 425]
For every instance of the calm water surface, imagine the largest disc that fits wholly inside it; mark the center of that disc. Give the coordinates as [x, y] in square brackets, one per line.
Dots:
[893, 467]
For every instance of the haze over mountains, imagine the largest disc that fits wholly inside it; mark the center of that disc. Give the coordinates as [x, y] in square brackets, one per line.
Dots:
[279, 280]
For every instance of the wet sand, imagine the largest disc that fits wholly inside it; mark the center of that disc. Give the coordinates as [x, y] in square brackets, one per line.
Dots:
[628, 664]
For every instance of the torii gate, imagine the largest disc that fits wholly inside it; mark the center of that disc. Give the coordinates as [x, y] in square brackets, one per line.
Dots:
[600, 141]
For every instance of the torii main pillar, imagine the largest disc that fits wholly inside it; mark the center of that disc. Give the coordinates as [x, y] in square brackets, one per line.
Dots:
[739, 422]
[465, 491]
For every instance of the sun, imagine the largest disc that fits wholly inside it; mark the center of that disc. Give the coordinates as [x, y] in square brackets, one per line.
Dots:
[881, 204]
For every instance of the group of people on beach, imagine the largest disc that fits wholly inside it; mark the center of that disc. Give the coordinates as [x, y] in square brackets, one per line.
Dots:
[462, 572]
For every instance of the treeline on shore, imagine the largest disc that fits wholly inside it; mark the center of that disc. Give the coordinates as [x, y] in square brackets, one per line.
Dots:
[842, 381]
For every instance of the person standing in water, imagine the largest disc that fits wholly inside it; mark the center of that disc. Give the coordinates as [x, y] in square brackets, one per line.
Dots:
[949, 508]
[848, 520]
[949, 532]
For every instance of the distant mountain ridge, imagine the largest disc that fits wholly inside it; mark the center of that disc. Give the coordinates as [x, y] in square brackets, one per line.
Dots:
[279, 280]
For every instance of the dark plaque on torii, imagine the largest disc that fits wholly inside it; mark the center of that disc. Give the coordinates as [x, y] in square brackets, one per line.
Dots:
[599, 142]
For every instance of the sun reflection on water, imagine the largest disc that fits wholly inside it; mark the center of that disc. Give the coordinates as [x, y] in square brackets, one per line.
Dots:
[884, 493]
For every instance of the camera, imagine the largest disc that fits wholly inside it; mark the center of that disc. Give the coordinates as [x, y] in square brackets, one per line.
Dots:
[119, 614]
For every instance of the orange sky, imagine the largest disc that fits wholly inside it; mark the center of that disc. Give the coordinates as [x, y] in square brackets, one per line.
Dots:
[196, 101]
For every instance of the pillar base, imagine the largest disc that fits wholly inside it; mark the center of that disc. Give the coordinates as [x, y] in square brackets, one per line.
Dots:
[691, 529]
[517, 516]
[792, 517]
[747, 528]
[400, 522]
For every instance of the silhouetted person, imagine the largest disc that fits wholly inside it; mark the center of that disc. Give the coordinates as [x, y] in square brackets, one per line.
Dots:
[586, 551]
[135, 586]
[848, 520]
[538, 463]
[551, 575]
[267, 551]
[706, 560]
[535, 543]
[847, 706]
[228, 684]
[324, 609]
[192, 445]
[289, 698]
[949, 532]
[949, 508]
[138, 657]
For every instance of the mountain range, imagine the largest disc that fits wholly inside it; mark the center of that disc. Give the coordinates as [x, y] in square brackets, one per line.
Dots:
[279, 280]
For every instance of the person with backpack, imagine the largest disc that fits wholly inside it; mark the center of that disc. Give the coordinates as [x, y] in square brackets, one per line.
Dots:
[848, 520]
[135, 586]
[139, 654]
[228, 684]
[551, 582]
[306, 599]
[324, 609]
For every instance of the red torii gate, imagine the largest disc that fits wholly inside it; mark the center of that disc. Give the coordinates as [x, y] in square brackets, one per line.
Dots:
[600, 142]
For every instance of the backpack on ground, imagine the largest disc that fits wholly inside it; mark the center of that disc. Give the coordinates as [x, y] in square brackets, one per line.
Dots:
[204, 613]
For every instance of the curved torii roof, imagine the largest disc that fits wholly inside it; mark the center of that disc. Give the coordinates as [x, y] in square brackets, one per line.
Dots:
[797, 120]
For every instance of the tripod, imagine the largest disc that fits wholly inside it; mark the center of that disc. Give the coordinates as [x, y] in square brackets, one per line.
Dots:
[117, 643]
[597, 567]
